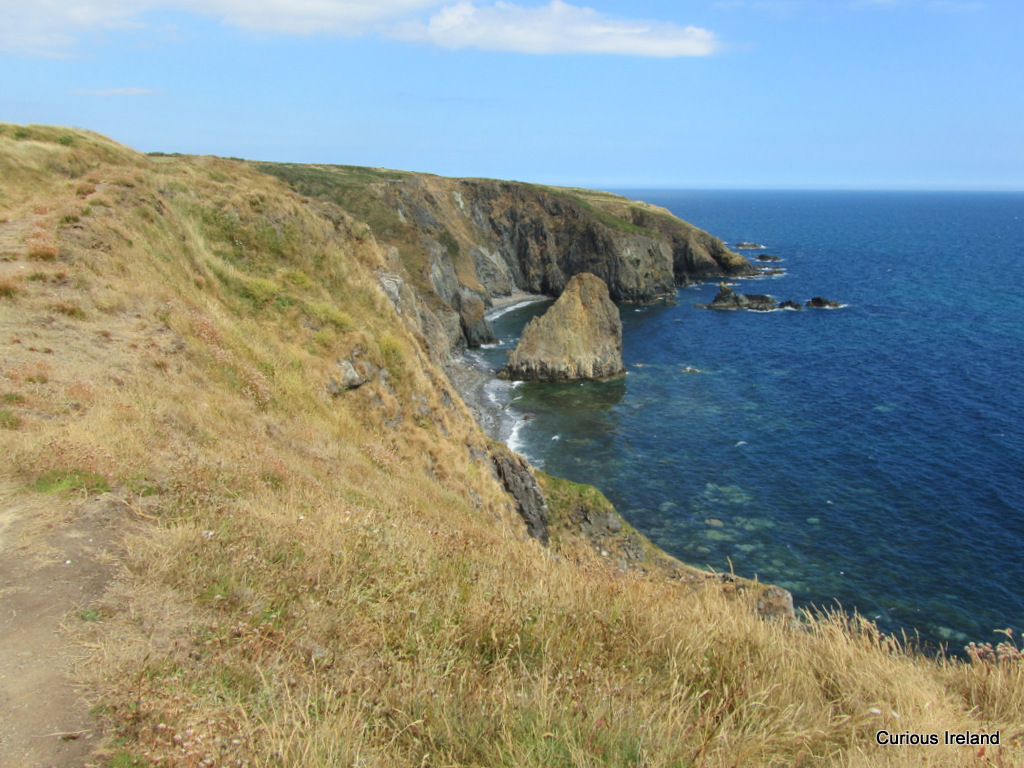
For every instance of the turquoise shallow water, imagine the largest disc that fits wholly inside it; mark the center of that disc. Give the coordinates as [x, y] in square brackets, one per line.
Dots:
[871, 455]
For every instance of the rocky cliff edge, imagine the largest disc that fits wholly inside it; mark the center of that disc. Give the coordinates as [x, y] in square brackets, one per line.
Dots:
[465, 242]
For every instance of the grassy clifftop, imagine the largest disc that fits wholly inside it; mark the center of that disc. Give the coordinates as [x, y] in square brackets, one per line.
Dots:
[306, 568]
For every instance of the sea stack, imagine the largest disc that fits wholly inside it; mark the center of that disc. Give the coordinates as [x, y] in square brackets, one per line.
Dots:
[579, 337]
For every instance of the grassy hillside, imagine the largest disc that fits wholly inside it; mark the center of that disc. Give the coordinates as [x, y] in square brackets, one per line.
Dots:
[316, 575]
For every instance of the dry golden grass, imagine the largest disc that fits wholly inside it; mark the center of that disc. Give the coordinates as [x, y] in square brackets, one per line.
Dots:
[9, 286]
[339, 580]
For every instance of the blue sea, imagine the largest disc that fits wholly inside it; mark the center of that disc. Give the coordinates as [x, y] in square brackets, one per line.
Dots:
[869, 457]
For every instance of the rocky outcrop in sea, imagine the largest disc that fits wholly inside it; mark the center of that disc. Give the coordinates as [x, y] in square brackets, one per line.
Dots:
[579, 337]
[728, 299]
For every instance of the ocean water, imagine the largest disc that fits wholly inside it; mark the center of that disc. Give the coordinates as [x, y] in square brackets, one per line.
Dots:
[870, 457]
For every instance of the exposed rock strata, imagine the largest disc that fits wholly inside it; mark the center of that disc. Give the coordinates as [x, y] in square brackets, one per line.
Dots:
[579, 337]
[517, 476]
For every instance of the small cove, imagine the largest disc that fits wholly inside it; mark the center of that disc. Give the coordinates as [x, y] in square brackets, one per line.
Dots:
[867, 456]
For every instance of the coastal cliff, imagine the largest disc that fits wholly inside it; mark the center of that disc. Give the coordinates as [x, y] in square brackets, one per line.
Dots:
[465, 242]
[246, 513]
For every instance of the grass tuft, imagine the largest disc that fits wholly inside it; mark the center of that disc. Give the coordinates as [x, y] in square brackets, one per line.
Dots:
[42, 246]
[9, 287]
[68, 308]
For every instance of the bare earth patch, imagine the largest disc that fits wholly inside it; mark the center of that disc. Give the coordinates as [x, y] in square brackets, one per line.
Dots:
[56, 561]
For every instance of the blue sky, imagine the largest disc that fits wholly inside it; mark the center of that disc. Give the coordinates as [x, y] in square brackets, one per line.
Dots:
[876, 94]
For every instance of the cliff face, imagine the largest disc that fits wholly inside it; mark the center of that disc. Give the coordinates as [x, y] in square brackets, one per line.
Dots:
[696, 255]
[465, 242]
[579, 337]
[540, 239]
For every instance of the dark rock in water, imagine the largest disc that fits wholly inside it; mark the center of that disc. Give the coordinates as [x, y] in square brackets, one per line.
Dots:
[579, 337]
[727, 298]
[748, 246]
[766, 257]
[518, 478]
[819, 303]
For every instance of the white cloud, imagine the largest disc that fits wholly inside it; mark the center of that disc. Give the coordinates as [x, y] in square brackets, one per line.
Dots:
[556, 28]
[53, 27]
[50, 27]
[347, 17]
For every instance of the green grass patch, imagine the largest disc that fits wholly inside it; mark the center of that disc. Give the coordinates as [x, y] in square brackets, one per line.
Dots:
[592, 205]
[393, 354]
[328, 314]
[298, 278]
[348, 186]
[58, 480]
[143, 487]
[261, 290]
[447, 239]
[325, 338]
[9, 419]
[564, 495]
[128, 759]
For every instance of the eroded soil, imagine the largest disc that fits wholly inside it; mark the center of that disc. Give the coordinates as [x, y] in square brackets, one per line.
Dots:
[56, 561]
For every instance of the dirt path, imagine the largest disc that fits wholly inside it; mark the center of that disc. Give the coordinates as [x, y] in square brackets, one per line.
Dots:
[56, 561]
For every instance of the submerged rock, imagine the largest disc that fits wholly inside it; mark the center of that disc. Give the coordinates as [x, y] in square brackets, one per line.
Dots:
[579, 337]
